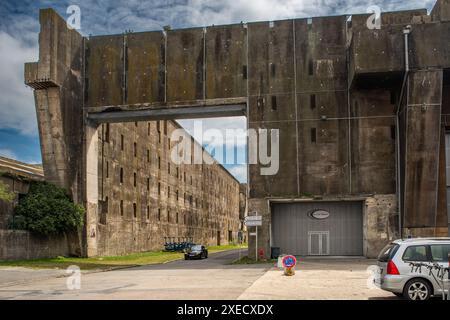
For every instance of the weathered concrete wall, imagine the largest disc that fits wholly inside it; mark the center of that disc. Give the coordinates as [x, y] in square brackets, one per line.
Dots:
[423, 137]
[17, 245]
[157, 198]
[441, 11]
[57, 80]
[380, 225]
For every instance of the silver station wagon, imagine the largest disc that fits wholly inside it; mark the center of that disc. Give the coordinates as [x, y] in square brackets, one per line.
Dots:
[415, 269]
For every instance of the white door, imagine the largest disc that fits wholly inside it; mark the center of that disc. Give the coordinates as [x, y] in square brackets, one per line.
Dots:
[318, 243]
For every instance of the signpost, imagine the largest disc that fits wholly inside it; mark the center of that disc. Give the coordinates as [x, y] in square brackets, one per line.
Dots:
[289, 263]
[254, 221]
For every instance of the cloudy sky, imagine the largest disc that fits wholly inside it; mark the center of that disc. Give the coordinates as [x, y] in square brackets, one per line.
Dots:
[19, 27]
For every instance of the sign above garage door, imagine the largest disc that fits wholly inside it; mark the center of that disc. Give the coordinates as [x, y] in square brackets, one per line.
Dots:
[319, 214]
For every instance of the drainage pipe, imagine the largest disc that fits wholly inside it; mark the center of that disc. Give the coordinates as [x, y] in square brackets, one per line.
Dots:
[406, 32]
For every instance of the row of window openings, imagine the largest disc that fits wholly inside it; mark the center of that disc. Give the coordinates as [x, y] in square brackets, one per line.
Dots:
[159, 216]
[121, 179]
[122, 142]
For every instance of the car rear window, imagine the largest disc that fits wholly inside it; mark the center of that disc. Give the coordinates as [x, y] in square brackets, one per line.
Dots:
[388, 252]
[439, 252]
[415, 253]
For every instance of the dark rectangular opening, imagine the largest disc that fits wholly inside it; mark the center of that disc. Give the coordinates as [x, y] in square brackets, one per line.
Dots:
[313, 135]
[244, 72]
[274, 103]
[313, 101]
[107, 133]
[311, 67]
[272, 69]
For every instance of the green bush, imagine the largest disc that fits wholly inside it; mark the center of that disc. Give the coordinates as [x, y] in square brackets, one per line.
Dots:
[47, 210]
[5, 194]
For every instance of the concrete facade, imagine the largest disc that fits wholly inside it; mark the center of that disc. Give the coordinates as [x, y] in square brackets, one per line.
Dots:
[361, 117]
[144, 197]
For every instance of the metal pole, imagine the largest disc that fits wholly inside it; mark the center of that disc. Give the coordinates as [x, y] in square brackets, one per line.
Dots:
[256, 245]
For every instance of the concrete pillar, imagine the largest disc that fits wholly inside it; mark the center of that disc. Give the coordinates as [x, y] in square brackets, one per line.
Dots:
[51, 132]
[421, 216]
[91, 188]
[261, 207]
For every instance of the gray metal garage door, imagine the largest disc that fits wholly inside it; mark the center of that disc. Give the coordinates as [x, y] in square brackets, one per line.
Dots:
[318, 228]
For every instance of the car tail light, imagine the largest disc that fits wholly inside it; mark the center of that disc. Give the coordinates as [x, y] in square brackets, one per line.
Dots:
[392, 268]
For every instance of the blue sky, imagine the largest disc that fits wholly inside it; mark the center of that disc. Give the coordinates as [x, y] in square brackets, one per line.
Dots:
[19, 28]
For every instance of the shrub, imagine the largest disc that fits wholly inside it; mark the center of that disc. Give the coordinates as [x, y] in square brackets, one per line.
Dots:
[5, 194]
[47, 210]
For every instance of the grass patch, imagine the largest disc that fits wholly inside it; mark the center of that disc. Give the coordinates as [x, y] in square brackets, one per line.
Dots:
[214, 249]
[105, 263]
[247, 260]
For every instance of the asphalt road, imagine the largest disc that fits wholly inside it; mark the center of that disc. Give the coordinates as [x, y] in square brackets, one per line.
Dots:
[212, 278]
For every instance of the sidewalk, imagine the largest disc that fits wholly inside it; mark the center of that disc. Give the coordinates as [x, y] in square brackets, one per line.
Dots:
[340, 279]
[16, 275]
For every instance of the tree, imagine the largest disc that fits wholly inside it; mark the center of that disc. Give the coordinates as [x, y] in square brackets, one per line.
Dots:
[47, 210]
[5, 194]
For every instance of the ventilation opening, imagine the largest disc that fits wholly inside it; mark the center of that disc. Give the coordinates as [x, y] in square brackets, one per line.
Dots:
[121, 208]
[311, 67]
[134, 179]
[272, 69]
[107, 133]
[313, 135]
[313, 101]
[274, 103]
[244, 72]
[121, 175]
[134, 210]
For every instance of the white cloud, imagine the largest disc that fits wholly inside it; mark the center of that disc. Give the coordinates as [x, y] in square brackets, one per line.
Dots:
[7, 153]
[207, 12]
[16, 100]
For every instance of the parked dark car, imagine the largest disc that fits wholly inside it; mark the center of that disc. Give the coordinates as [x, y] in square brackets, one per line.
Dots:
[196, 252]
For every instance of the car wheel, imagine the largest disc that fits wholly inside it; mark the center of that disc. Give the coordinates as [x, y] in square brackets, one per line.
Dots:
[417, 289]
[186, 258]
